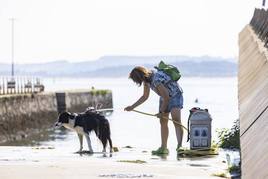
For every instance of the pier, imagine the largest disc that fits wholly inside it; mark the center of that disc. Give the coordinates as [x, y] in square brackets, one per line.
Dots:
[22, 115]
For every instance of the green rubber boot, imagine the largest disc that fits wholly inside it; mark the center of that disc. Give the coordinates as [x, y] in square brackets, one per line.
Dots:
[179, 149]
[160, 151]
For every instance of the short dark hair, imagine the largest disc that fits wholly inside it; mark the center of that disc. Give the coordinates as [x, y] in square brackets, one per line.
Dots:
[140, 74]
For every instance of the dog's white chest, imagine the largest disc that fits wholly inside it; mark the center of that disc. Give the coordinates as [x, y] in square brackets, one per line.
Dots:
[79, 130]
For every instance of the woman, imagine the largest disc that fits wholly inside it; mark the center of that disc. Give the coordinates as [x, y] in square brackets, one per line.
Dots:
[171, 101]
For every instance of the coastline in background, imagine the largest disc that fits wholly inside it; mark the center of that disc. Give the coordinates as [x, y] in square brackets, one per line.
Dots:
[119, 66]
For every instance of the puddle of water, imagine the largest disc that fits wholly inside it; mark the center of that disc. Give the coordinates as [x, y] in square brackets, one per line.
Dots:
[126, 175]
[199, 165]
[36, 138]
[63, 144]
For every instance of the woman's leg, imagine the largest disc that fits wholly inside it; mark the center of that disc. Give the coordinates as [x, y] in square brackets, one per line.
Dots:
[176, 116]
[164, 130]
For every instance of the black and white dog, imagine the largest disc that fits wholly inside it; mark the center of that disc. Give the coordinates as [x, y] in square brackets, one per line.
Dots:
[84, 123]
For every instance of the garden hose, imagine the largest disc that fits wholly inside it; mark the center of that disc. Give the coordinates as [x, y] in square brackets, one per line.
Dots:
[148, 114]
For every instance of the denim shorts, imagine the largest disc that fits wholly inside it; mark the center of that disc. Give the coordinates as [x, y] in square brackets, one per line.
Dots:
[175, 101]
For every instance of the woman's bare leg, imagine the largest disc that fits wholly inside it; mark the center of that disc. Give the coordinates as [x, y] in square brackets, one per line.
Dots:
[176, 116]
[164, 130]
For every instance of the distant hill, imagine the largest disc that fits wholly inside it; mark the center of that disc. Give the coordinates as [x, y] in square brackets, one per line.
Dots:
[117, 66]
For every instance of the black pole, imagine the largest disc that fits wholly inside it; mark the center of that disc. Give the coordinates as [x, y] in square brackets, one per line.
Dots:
[263, 2]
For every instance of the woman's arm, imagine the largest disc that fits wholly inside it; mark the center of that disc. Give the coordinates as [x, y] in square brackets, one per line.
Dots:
[163, 92]
[142, 99]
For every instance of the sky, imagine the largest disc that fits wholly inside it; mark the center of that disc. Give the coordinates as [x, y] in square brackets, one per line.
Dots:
[79, 30]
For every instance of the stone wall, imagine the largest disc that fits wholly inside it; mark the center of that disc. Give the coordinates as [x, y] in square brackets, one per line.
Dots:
[25, 114]
[79, 101]
[253, 104]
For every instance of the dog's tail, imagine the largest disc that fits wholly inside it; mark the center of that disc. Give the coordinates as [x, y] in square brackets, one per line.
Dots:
[105, 134]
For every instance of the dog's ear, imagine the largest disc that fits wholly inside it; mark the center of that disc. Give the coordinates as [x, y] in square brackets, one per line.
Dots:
[72, 115]
[91, 108]
[66, 113]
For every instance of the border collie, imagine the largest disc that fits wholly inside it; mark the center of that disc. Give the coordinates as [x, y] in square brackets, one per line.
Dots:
[84, 123]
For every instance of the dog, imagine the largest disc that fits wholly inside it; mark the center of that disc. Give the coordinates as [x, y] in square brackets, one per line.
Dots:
[84, 123]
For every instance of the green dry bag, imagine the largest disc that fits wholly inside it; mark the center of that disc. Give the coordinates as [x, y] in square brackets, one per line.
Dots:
[170, 70]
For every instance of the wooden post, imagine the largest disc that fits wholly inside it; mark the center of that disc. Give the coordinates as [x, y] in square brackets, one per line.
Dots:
[6, 85]
[31, 85]
[3, 85]
[0, 89]
[21, 87]
[16, 86]
[24, 85]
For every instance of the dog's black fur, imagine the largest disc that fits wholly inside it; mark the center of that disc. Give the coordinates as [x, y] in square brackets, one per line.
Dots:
[86, 122]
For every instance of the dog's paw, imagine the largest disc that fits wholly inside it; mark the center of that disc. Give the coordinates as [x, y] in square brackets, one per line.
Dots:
[84, 152]
[79, 151]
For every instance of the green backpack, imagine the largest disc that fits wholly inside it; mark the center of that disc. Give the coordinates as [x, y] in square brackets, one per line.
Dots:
[170, 70]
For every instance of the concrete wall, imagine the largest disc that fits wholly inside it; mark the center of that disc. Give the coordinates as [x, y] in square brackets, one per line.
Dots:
[22, 115]
[253, 104]
[79, 101]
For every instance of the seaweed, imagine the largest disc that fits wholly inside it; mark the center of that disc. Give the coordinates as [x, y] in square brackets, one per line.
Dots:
[133, 161]
[95, 92]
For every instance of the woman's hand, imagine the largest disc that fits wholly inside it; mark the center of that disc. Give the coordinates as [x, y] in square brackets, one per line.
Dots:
[129, 108]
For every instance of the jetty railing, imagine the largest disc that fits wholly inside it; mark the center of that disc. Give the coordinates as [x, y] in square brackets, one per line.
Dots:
[20, 85]
[259, 23]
